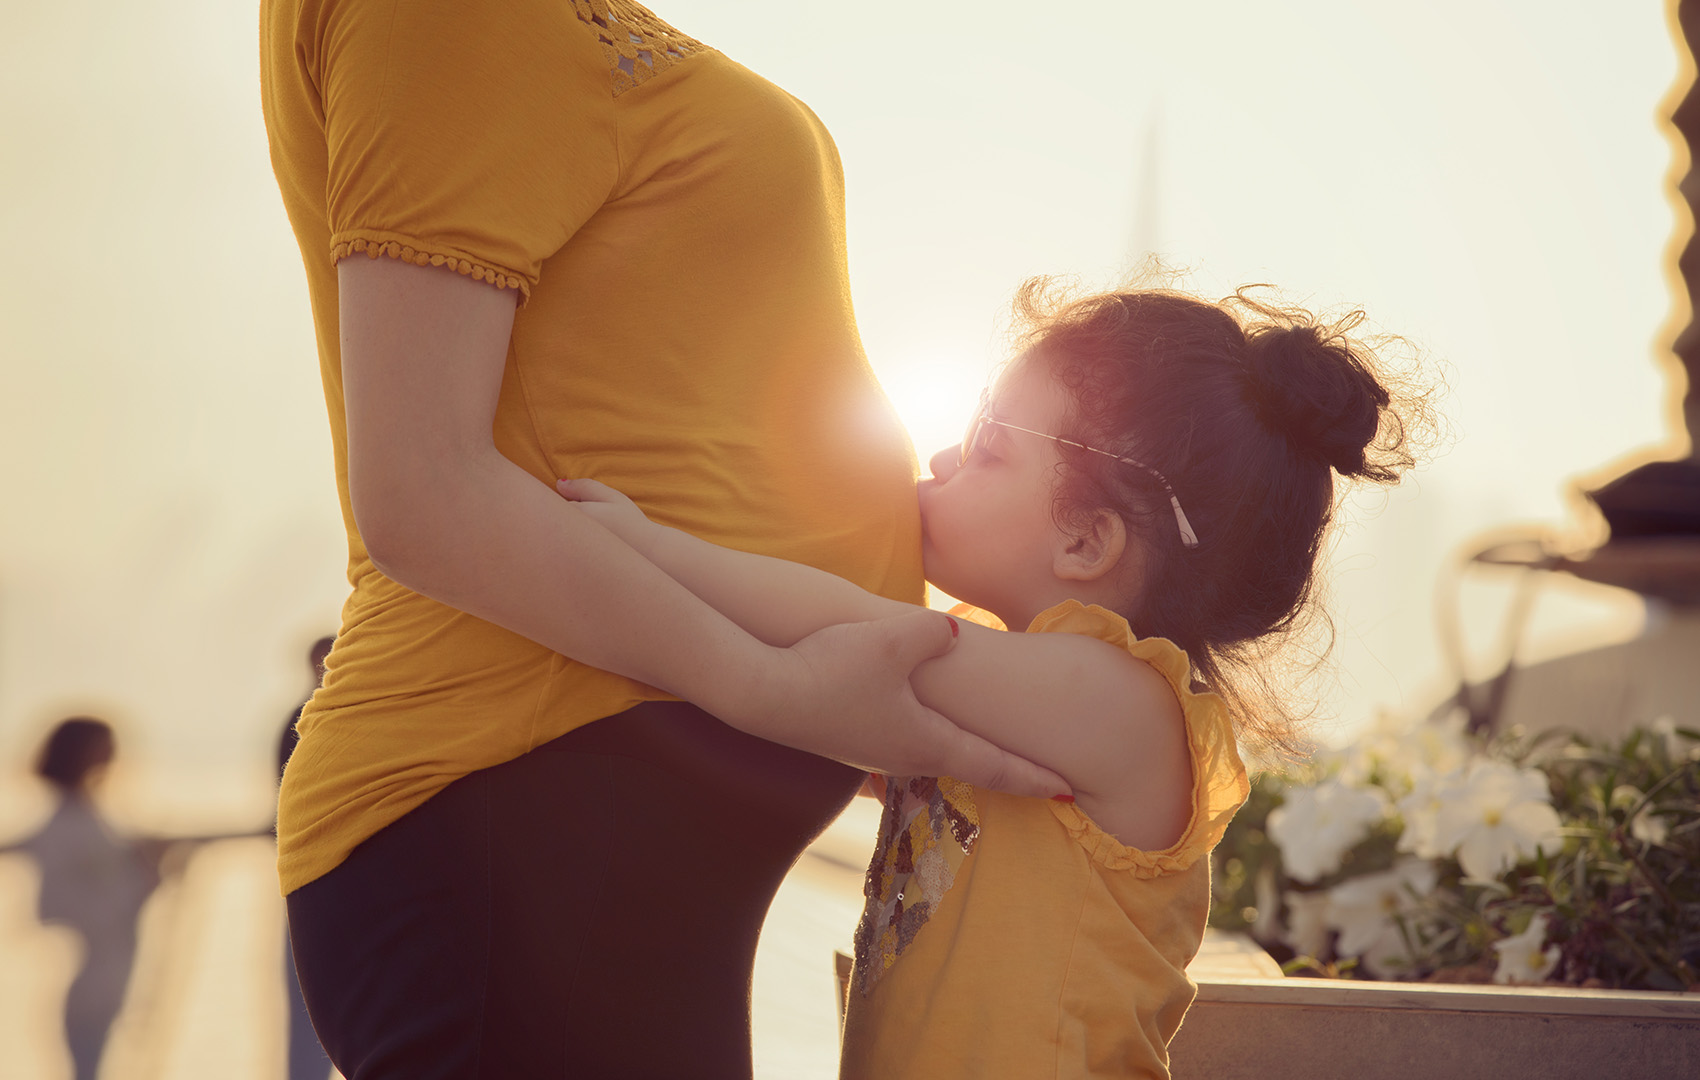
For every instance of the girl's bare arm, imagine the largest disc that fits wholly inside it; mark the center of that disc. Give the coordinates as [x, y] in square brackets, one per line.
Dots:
[1075, 704]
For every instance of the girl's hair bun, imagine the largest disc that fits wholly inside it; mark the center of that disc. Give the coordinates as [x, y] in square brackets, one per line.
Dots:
[1318, 387]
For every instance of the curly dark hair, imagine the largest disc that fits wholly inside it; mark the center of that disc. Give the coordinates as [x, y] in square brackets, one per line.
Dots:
[1250, 410]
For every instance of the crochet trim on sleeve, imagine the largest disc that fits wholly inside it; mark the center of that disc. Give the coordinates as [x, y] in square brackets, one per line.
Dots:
[374, 246]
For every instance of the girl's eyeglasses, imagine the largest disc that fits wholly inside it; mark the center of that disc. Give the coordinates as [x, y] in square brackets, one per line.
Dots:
[984, 419]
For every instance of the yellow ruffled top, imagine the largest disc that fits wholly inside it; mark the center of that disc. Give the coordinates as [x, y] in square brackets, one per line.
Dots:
[1014, 937]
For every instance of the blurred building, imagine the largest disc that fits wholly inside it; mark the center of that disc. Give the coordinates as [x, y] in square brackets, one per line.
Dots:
[1652, 515]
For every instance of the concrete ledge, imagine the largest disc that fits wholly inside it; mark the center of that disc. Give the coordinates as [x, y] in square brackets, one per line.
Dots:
[1276, 1029]
[1554, 1000]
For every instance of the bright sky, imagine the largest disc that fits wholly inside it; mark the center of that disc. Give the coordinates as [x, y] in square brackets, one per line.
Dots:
[1486, 178]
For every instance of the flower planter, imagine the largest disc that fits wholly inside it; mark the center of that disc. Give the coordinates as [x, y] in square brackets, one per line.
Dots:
[1276, 1029]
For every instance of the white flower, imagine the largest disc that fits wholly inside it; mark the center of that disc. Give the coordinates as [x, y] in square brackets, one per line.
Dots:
[1498, 815]
[1521, 958]
[1678, 747]
[1623, 796]
[1645, 826]
[1395, 749]
[1439, 746]
[1363, 910]
[1421, 807]
[1316, 825]
[1649, 828]
[1374, 748]
[1307, 922]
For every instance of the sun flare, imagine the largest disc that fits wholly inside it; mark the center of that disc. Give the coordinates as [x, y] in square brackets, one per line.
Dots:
[933, 397]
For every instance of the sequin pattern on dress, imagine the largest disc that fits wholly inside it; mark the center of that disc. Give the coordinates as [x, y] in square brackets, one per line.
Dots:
[928, 828]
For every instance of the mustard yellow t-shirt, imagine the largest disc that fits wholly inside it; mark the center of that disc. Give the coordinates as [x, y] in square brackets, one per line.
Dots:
[1014, 937]
[676, 226]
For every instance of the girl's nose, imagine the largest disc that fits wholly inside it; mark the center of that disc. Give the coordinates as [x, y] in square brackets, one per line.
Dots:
[944, 463]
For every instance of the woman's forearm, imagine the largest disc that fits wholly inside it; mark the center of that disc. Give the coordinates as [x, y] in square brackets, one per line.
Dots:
[483, 536]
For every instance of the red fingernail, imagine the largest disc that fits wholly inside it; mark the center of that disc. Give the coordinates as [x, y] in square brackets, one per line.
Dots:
[955, 630]
[1062, 798]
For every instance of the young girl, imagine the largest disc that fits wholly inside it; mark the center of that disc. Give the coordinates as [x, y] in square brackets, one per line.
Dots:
[1145, 493]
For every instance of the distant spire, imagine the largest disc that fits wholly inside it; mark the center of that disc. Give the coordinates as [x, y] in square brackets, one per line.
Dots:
[1145, 239]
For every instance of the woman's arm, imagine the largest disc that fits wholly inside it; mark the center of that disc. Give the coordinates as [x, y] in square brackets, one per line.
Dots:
[1075, 704]
[442, 512]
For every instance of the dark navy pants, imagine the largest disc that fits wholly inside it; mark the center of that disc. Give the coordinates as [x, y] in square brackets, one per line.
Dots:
[588, 910]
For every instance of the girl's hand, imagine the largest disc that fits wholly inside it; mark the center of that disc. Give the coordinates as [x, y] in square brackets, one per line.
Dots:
[843, 692]
[610, 509]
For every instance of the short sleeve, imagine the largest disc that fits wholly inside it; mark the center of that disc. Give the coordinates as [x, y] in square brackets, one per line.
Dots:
[477, 134]
[1219, 781]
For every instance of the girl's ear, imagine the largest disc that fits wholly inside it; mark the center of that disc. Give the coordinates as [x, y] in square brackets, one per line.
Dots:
[1092, 553]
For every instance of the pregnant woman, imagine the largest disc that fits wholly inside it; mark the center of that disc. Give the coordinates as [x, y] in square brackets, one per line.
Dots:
[552, 238]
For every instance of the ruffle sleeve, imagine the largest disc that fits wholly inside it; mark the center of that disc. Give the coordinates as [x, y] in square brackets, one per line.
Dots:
[1219, 782]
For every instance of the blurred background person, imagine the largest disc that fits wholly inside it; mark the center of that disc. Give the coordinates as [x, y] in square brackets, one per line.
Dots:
[316, 654]
[93, 881]
[307, 1059]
